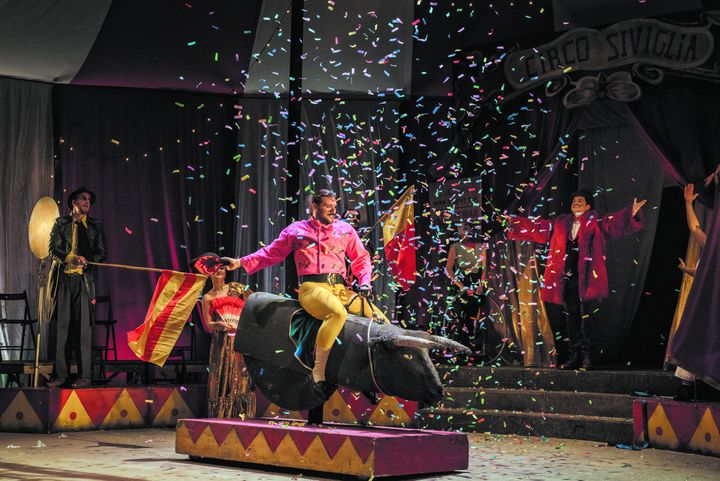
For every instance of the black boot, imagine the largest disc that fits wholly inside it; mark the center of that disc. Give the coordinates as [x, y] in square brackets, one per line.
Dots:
[323, 389]
[573, 361]
[373, 397]
[586, 364]
[686, 392]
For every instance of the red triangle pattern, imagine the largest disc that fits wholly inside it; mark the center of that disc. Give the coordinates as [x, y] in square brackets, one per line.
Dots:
[332, 443]
[159, 396]
[195, 429]
[140, 398]
[683, 425]
[220, 431]
[274, 437]
[98, 402]
[363, 446]
[246, 433]
[302, 439]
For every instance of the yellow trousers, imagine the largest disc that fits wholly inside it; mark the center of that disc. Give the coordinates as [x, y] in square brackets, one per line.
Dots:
[331, 304]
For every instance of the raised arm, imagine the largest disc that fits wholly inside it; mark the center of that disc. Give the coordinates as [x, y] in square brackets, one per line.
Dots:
[268, 256]
[692, 221]
[623, 222]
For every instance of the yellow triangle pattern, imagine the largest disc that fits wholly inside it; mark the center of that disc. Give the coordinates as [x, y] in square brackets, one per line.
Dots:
[345, 461]
[389, 413]
[706, 438]
[165, 416]
[123, 405]
[337, 410]
[20, 416]
[73, 416]
[660, 431]
[275, 411]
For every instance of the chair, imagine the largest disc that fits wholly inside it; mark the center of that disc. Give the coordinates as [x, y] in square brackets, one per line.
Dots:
[104, 319]
[26, 322]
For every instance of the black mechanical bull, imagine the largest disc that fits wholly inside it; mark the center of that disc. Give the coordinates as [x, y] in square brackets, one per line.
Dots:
[369, 356]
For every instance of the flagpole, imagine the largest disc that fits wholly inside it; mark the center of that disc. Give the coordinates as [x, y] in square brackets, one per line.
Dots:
[389, 212]
[137, 268]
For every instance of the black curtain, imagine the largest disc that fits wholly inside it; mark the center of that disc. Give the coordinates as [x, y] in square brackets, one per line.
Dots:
[25, 176]
[163, 168]
[680, 119]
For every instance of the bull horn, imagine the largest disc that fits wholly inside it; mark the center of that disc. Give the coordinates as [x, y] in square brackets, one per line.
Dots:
[445, 343]
[412, 341]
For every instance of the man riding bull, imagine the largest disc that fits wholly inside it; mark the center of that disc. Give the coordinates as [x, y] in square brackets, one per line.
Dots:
[321, 245]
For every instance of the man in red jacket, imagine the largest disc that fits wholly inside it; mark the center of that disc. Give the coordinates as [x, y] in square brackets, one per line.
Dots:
[575, 274]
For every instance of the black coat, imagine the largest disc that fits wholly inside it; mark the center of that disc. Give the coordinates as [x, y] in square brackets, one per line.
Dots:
[60, 246]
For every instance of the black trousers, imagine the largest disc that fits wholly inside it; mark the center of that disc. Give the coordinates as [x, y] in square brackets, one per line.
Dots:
[465, 311]
[579, 317]
[73, 326]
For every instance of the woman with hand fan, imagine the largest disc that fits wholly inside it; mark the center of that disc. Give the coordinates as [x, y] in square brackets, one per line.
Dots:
[229, 387]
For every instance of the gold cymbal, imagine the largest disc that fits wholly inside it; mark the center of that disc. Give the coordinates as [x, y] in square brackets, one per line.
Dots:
[41, 222]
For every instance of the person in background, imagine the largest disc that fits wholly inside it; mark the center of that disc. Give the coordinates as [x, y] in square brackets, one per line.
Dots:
[466, 269]
[75, 240]
[230, 392]
[688, 386]
[575, 275]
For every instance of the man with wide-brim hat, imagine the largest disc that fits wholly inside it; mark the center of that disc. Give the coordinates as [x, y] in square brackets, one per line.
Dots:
[75, 240]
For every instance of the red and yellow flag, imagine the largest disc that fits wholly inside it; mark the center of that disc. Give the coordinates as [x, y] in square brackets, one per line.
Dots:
[399, 239]
[175, 296]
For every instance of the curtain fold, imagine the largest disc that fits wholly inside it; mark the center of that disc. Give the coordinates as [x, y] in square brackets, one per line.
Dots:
[261, 186]
[618, 168]
[692, 256]
[26, 175]
[538, 183]
[351, 147]
[679, 118]
[162, 165]
[696, 344]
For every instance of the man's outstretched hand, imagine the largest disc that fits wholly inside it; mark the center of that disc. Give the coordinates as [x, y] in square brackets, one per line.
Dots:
[637, 205]
[230, 263]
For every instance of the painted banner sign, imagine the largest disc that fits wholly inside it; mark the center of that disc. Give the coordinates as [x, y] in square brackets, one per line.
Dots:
[644, 41]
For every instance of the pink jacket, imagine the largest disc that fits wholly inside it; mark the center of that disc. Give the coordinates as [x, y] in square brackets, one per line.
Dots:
[319, 249]
[592, 237]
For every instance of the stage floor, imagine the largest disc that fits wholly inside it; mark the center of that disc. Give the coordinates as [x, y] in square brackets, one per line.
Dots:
[149, 454]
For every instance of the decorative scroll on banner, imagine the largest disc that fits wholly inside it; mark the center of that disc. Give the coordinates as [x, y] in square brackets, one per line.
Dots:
[637, 41]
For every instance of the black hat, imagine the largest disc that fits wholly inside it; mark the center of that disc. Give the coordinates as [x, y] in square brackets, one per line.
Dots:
[77, 192]
[208, 263]
[589, 197]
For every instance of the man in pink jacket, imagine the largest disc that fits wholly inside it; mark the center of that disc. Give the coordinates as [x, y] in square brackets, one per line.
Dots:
[575, 274]
[321, 245]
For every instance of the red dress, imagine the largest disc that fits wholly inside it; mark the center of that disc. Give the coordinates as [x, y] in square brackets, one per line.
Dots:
[229, 387]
